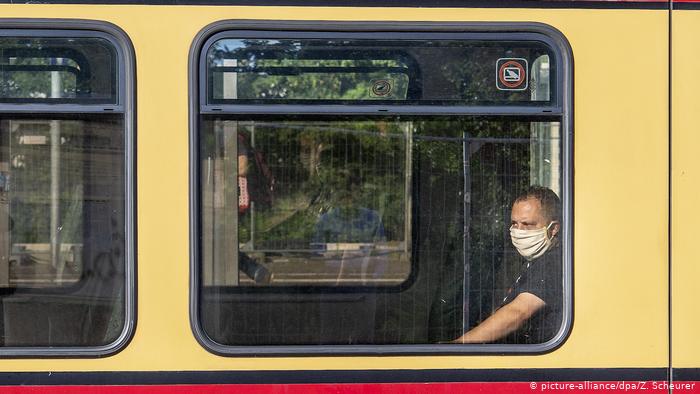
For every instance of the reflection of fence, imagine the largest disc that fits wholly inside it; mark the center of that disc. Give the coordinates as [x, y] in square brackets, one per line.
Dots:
[32, 264]
[321, 169]
[319, 166]
[337, 264]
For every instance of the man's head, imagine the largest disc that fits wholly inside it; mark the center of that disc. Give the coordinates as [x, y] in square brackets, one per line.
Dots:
[535, 208]
[535, 221]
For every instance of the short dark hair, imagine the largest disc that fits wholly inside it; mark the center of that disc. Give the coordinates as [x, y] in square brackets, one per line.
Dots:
[549, 201]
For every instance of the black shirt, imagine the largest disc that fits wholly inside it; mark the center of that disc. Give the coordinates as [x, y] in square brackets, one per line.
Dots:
[541, 277]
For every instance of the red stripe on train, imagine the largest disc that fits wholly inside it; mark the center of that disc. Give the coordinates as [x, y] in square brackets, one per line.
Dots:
[621, 1]
[371, 388]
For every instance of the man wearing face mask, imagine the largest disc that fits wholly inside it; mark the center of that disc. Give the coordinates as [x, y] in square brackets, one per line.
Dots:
[532, 308]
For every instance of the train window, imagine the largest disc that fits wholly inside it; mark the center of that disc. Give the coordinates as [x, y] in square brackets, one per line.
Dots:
[352, 191]
[64, 270]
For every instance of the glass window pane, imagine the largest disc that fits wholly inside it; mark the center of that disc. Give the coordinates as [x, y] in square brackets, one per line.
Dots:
[376, 231]
[334, 71]
[62, 230]
[57, 70]
[328, 201]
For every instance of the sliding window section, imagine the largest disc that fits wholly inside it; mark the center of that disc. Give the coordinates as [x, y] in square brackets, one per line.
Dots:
[354, 196]
[66, 254]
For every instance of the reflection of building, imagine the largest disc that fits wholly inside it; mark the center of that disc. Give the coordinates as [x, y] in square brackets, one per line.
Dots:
[354, 224]
[545, 167]
[357, 229]
[41, 197]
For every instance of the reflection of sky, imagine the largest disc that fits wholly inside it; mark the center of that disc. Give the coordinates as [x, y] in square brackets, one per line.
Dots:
[228, 45]
[349, 224]
[231, 45]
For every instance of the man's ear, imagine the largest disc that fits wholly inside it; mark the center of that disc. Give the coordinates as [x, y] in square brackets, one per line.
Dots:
[554, 229]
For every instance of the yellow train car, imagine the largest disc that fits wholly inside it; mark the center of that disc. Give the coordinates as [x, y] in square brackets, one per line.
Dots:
[424, 196]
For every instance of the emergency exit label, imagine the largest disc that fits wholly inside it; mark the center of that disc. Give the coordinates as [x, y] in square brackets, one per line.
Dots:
[512, 74]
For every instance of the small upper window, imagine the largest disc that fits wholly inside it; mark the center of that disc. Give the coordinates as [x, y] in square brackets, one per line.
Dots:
[434, 72]
[57, 70]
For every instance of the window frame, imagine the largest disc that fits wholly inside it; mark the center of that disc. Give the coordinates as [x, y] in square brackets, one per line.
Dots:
[407, 30]
[124, 105]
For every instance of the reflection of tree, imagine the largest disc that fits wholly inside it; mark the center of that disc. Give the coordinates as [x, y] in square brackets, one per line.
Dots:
[468, 72]
[348, 85]
[289, 70]
[317, 164]
[26, 70]
[88, 150]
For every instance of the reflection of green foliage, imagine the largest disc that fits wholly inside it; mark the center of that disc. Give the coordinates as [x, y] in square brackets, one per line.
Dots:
[57, 68]
[362, 163]
[472, 77]
[323, 165]
[293, 73]
[17, 81]
[35, 85]
[348, 85]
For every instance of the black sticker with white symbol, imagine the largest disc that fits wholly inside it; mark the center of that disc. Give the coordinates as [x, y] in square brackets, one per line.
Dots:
[511, 74]
[381, 88]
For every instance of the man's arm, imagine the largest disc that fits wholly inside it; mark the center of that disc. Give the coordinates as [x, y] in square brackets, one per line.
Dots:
[505, 320]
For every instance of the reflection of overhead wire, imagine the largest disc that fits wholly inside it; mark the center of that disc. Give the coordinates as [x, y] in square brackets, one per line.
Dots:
[491, 140]
[488, 140]
[304, 252]
[314, 127]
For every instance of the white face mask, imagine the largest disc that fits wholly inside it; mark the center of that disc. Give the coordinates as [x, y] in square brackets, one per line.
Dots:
[531, 244]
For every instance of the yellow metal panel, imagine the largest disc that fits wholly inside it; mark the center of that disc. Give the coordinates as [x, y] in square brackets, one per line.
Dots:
[621, 216]
[686, 190]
